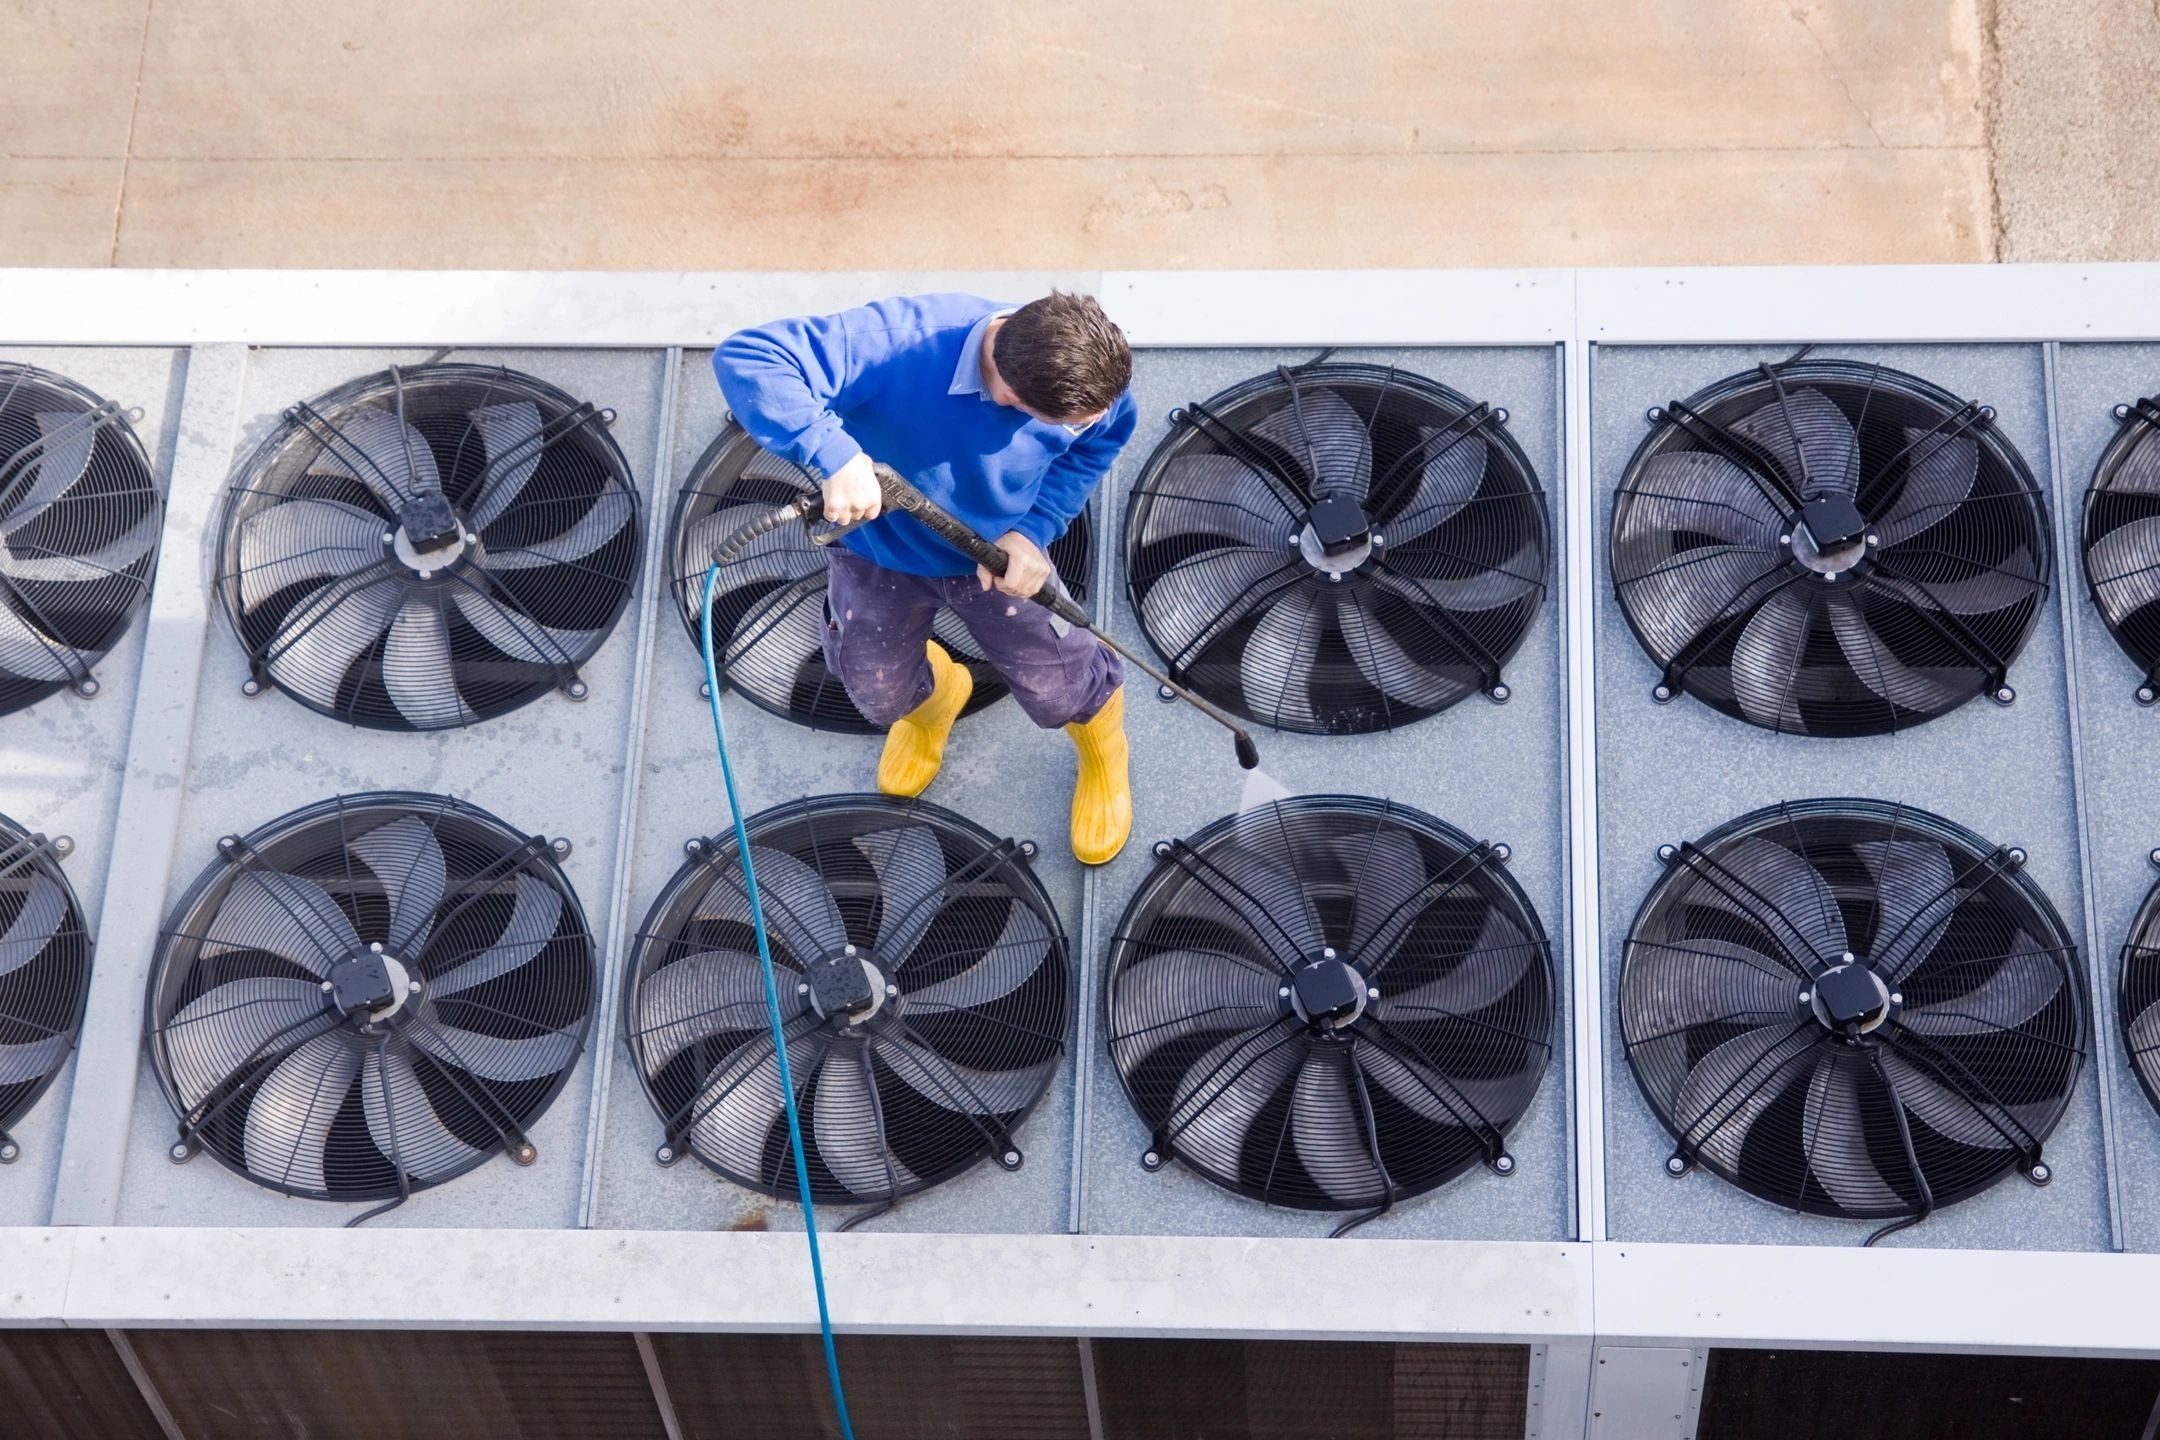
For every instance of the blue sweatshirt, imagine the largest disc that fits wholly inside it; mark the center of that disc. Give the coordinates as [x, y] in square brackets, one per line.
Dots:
[902, 380]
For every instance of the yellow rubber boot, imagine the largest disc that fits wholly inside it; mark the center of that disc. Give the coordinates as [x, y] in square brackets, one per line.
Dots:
[1102, 792]
[915, 746]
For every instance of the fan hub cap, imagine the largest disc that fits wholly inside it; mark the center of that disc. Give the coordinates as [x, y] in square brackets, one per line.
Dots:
[1850, 995]
[369, 987]
[848, 987]
[1327, 993]
[1336, 536]
[1830, 536]
[429, 537]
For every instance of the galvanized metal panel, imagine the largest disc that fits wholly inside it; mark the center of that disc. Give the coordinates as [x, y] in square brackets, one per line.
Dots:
[1492, 770]
[553, 767]
[2004, 772]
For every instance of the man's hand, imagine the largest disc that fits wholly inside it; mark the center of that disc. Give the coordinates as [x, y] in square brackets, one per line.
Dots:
[1027, 569]
[851, 493]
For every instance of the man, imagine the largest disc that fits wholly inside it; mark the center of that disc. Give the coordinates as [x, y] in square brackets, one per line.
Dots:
[1008, 418]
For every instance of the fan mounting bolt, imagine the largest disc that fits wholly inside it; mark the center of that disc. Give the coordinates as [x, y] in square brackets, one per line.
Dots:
[1327, 952]
[251, 688]
[525, 1154]
[1666, 852]
[1378, 538]
[1785, 539]
[2146, 695]
[2004, 695]
[1661, 694]
[1283, 992]
[576, 690]
[1503, 853]
[389, 537]
[1151, 1161]
[2017, 855]
[1161, 849]
[847, 949]
[1847, 957]
[1897, 997]
[1676, 1166]
[2041, 1174]
[9, 1152]
[1335, 576]
[891, 989]
[375, 946]
[180, 1153]
[559, 846]
[1165, 694]
[1499, 694]
[1873, 538]
[87, 687]
[665, 1155]
[2122, 412]
[1807, 997]
[63, 846]
[1012, 1157]
[414, 987]
[803, 989]
[2154, 856]
[1372, 993]
[1504, 1164]
[327, 987]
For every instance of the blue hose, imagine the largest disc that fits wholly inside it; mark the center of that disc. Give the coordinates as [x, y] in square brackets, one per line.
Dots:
[772, 1008]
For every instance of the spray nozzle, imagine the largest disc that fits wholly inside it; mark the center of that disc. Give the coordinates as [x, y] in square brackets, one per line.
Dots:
[1248, 754]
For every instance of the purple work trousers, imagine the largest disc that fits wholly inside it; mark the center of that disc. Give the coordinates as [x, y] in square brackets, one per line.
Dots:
[881, 624]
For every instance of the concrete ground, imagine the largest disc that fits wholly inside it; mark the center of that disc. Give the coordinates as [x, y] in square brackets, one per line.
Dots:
[664, 134]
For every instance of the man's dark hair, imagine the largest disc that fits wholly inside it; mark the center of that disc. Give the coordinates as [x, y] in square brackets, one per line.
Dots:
[1062, 356]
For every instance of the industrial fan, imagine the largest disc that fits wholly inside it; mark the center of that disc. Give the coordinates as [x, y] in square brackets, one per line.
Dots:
[430, 547]
[1337, 548]
[370, 995]
[44, 971]
[1830, 548]
[2122, 540]
[770, 604]
[80, 516]
[2139, 997]
[1853, 1008]
[924, 990]
[1331, 1003]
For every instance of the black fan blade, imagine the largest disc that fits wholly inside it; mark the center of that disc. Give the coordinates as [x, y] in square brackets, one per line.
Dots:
[1834, 1140]
[1326, 438]
[1949, 1111]
[1939, 474]
[33, 1059]
[1997, 587]
[713, 992]
[1493, 966]
[2125, 566]
[301, 540]
[1276, 669]
[512, 436]
[402, 1120]
[380, 451]
[961, 1088]
[602, 521]
[1190, 992]
[1393, 670]
[290, 1115]
[1234, 887]
[1767, 885]
[535, 915]
[1219, 496]
[776, 555]
[416, 667]
[44, 908]
[1926, 690]
[741, 1099]
[288, 916]
[519, 636]
[1386, 871]
[30, 653]
[108, 560]
[66, 440]
[1811, 438]
[1019, 951]
[1705, 588]
[1443, 1099]
[1197, 599]
[799, 907]
[1223, 1092]
[2025, 982]
[223, 1029]
[406, 857]
[1514, 577]
[1454, 468]
[1915, 896]
[1767, 657]
[320, 640]
[1671, 985]
[1730, 1088]
[2143, 1034]
[910, 866]
[850, 1133]
[491, 1057]
[2139, 472]
[1327, 1126]
[1695, 492]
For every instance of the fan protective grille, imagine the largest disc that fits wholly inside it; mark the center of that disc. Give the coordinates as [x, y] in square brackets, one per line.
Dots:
[45, 952]
[925, 993]
[770, 607]
[81, 514]
[1337, 549]
[2139, 1009]
[371, 995]
[2122, 540]
[356, 594]
[1227, 952]
[1853, 1008]
[1830, 548]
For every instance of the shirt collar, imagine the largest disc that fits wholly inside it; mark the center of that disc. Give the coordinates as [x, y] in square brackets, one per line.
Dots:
[967, 377]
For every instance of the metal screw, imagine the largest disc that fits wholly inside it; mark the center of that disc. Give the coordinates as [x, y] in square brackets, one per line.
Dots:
[1335, 577]
[2122, 412]
[665, 1155]
[693, 847]
[560, 846]
[1151, 1159]
[1847, 957]
[1829, 575]
[1873, 539]
[327, 987]
[2017, 855]
[1504, 1164]
[1327, 952]
[1503, 853]
[704, 690]
[524, 1155]
[1012, 1157]
[250, 688]
[427, 574]
[1666, 852]
[2154, 856]
[803, 989]
[2041, 1174]
[891, 989]
[1165, 694]
[1378, 538]
[1653, 414]
[1896, 998]
[1161, 849]
[1372, 993]
[1807, 997]
[375, 947]
[576, 690]
[1500, 415]
[847, 949]
[1499, 694]
[1676, 1165]
[87, 687]
[1029, 849]
[9, 1152]
[1284, 992]
[389, 537]
[2005, 695]
[179, 1153]
[1785, 539]
[2146, 695]
[1661, 694]
[63, 845]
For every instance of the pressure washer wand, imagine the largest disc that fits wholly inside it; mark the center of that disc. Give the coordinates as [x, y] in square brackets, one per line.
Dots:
[902, 496]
